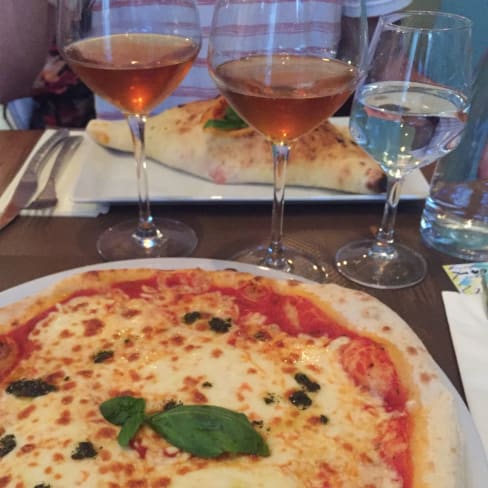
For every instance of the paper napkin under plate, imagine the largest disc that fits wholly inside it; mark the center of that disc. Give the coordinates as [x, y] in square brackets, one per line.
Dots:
[65, 184]
[468, 324]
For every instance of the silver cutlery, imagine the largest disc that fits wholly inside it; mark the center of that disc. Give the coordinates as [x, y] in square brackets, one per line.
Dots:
[47, 198]
[29, 182]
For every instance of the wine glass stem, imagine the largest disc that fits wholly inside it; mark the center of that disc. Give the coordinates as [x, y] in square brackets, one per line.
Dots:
[275, 252]
[146, 231]
[385, 236]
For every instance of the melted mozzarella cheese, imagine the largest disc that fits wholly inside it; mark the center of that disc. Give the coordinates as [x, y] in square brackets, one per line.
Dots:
[160, 358]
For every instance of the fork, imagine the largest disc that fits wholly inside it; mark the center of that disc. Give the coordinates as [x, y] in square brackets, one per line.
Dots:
[48, 197]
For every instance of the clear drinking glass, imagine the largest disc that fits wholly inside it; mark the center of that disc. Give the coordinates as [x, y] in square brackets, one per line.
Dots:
[285, 66]
[133, 54]
[455, 216]
[409, 111]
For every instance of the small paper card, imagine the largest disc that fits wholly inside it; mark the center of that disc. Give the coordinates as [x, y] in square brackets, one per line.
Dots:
[466, 276]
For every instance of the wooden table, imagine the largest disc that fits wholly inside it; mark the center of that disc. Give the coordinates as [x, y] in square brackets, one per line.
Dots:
[31, 247]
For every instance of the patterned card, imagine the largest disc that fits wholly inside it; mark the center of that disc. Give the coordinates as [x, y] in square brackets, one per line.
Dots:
[466, 276]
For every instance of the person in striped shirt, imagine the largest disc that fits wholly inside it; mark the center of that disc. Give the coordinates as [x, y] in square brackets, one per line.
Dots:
[198, 85]
[53, 85]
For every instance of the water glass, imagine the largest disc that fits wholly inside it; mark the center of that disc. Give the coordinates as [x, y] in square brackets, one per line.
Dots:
[455, 216]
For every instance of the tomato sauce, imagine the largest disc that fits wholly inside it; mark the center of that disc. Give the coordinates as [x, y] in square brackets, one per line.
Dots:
[306, 318]
[17, 344]
[134, 289]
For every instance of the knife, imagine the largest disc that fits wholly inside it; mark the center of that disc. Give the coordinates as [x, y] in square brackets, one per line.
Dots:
[28, 184]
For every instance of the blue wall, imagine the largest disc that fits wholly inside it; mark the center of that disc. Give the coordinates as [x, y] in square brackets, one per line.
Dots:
[477, 11]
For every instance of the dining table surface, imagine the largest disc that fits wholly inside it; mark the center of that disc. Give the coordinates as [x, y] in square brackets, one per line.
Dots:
[32, 247]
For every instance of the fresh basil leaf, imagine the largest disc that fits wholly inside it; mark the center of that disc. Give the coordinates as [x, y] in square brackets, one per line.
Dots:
[119, 409]
[130, 428]
[230, 121]
[208, 431]
[231, 114]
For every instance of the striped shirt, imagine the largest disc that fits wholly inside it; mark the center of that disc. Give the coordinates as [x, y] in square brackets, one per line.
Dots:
[198, 85]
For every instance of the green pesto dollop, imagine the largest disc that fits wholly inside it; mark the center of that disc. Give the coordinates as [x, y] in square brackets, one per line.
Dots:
[219, 325]
[84, 450]
[30, 388]
[7, 444]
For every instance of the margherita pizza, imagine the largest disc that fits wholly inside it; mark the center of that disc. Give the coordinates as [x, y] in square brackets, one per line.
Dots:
[199, 138]
[193, 378]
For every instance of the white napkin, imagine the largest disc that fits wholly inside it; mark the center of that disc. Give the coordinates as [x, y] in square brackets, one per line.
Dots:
[65, 183]
[468, 324]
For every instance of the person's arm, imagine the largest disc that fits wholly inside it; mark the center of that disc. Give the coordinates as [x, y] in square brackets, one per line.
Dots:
[26, 31]
[374, 9]
[350, 24]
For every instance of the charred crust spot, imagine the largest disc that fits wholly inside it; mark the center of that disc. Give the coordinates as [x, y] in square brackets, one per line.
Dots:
[425, 378]
[412, 350]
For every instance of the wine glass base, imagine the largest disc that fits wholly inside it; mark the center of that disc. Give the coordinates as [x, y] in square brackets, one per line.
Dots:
[171, 238]
[358, 263]
[293, 262]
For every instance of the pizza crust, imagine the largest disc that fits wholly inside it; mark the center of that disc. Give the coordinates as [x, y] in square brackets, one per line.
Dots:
[438, 451]
[437, 445]
[327, 157]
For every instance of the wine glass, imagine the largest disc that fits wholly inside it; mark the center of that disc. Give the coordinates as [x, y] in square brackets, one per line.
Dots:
[284, 67]
[409, 111]
[133, 54]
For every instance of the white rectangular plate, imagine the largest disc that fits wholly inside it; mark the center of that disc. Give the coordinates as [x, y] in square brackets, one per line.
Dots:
[110, 176]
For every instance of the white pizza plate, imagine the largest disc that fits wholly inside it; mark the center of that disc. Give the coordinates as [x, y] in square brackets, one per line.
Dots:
[476, 465]
[108, 176]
